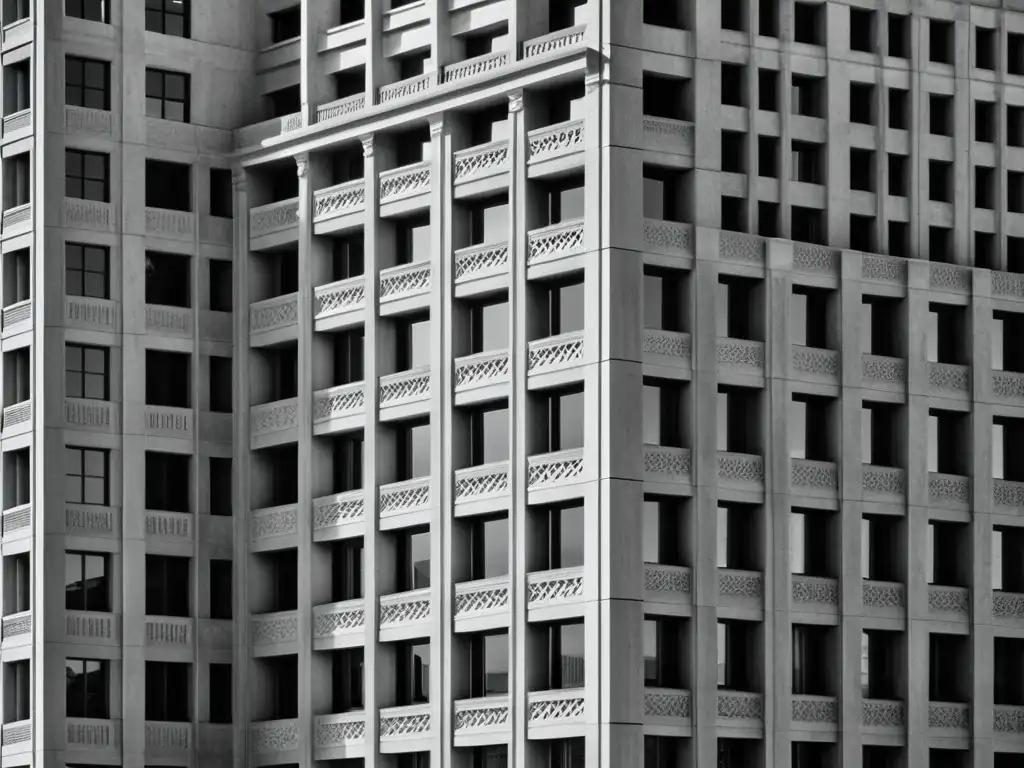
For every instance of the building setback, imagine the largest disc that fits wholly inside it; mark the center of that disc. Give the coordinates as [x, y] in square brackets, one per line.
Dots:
[533, 383]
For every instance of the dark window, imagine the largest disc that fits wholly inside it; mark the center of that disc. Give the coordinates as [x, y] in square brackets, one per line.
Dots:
[86, 83]
[220, 384]
[811, 660]
[412, 667]
[1014, 53]
[809, 23]
[168, 378]
[662, 530]
[168, 185]
[87, 175]
[985, 121]
[347, 570]
[940, 109]
[168, 279]
[862, 170]
[167, 95]
[488, 664]
[733, 14]
[88, 682]
[220, 693]
[940, 41]
[862, 103]
[984, 48]
[899, 35]
[169, 17]
[86, 371]
[220, 486]
[347, 680]
[348, 356]
[663, 652]
[167, 691]
[220, 193]
[86, 269]
[348, 257]
[899, 108]
[85, 476]
[733, 91]
[220, 589]
[768, 90]
[862, 30]
[488, 435]
[17, 688]
[167, 481]
[287, 24]
[85, 582]
[488, 546]
[734, 154]
[90, 10]
[220, 285]
[566, 657]
[413, 559]
[348, 463]
[664, 751]
[167, 585]
[898, 175]
[768, 18]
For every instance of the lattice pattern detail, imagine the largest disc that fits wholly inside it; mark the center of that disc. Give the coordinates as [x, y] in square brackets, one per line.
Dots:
[275, 418]
[732, 584]
[883, 595]
[337, 513]
[555, 354]
[1007, 494]
[949, 277]
[948, 600]
[949, 488]
[882, 714]
[406, 388]
[734, 246]
[666, 579]
[666, 461]
[556, 589]
[348, 198]
[404, 612]
[1008, 385]
[471, 372]
[280, 522]
[330, 734]
[814, 474]
[555, 140]
[480, 717]
[405, 183]
[405, 282]
[892, 370]
[338, 403]
[272, 631]
[884, 269]
[956, 378]
[404, 725]
[554, 471]
[481, 162]
[815, 711]
[814, 258]
[271, 219]
[558, 709]
[663, 126]
[338, 621]
[275, 737]
[1007, 284]
[667, 235]
[884, 480]
[396, 501]
[738, 706]
[741, 353]
[13, 627]
[481, 600]
[740, 468]
[667, 343]
[675, 705]
[271, 316]
[488, 259]
[816, 362]
[1008, 605]
[549, 244]
[1008, 720]
[487, 484]
[808, 589]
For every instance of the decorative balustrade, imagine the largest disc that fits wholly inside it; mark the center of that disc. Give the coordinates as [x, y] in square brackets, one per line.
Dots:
[89, 214]
[747, 585]
[480, 261]
[17, 519]
[403, 89]
[662, 462]
[404, 281]
[884, 370]
[339, 297]
[1008, 284]
[490, 713]
[554, 587]
[170, 223]
[337, 402]
[740, 705]
[168, 631]
[740, 356]
[405, 387]
[337, 619]
[884, 594]
[339, 509]
[555, 353]
[815, 590]
[17, 414]
[675, 135]
[668, 579]
[815, 363]
[168, 737]
[274, 217]
[1007, 605]
[270, 522]
[405, 497]
[347, 729]
[668, 236]
[1006, 719]
[339, 200]
[17, 121]
[946, 377]
[83, 120]
[405, 608]
[274, 314]
[821, 710]
[174, 321]
[558, 140]
[951, 489]
[882, 713]
[884, 481]
[17, 734]
[806, 474]
[481, 161]
[548, 469]
[885, 269]
[556, 707]
[942, 599]
[1007, 493]
[482, 597]
[16, 314]
[341, 107]
[274, 417]
[96, 313]
[673, 703]
[176, 526]
[94, 627]
[815, 259]
[165, 421]
[670, 344]
[1008, 385]
[557, 241]
[404, 182]
[274, 736]
[740, 467]
[742, 248]
[555, 41]
[274, 628]
[485, 481]
[17, 626]
[949, 277]
[18, 217]
[404, 722]
[92, 734]
[478, 65]
[481, 369]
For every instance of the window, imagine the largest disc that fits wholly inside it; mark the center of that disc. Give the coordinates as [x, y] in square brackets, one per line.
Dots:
[563, 537]
[488, 546]
[220, 193]
[412, 667]
[168, 279]
[169, 17]
[488, 664]
[899, 108]
[220, 486]
[86, 270]
[662, 530]
[86, 371]
[287, 24]
[809, 23]
[488, 435]
[347, 680]
[985, 121]
[88, 682]
[347, 570]
[87, 175]
[413, 559]
[85, 476]
[899, 35]
[862, 30]
[940, 108]
[862, 103]
[167, 481]
[90, 10]
[663, 751]
[663, 652]
[220, 384]
[811, 660]
[86, 83]
[17, 679]
[984, 48]
[348, 462]
[220, 589]
[1015, 53]
[733, 90]
[768, 90]
[220, 285]
[167, 95]
[566, 667]
[167, 585]
[85, 582]
[167, 691]
[940, 41]
[220, 693]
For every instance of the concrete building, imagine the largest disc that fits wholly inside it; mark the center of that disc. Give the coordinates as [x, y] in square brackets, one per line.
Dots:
[535, 383]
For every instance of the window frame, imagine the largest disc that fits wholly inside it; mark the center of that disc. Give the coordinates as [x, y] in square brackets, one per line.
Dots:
[84, 475]
[83, 375]
[82, 271]
[104, 7]
[84, 556]
[82, 178]
[160, 10]
[82, 86]
[162, 77]
[80, 706]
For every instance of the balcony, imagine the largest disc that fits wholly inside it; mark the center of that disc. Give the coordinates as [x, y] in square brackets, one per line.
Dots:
[483, 376]
[884, 483]
[563, 709]
[743, 471]
[949, 490]
[335, 209]
[405, 615]
[1007, 493]
[953, 601]
[555, 242]
[404, 287]
[548, 470]
[17, 629]
[1006, 719]
[480, 268]
[168, 740]
[410, 183]
[339, 625]
[815, 713]
[482, 604]
[948, 379]
[273, 224]
[472, 68]
[173, 528]
[337, 305]
[17, 317]
[339, 737]
[814, 478]
[169, 632]
[17, 521]
[555, 594]
[273, 423]
[92, 628]
[404, 394]
[91, 314]
[662, 134]
[273, 634]
[405, 89]
[948, 718]
[811, 593]
[555, 148]
[666, 464]
[17, 220]
[273, 320]
[165, 421]
[740, 709]
[273, 528]
[668, 237]
[339, 408]
[1007, 607]
[404, 502]
[555, 42]
[275, 739]
[888, 373]
[405, 729]
[816, 365]
[1008, 385]
[741, 589]
[17, 33]
[17, 737]
[476, 164]
[17, 418]
[164, 320]
[883, 716]
[739, 357]
[486, 720]
[163, 222]
[481, 489]
[88, 214]
[345, 107]
[95, 738]
[556, 353]
[339, 516]
[884, 597]
[667, 583]
[667, 348]
[670, 707]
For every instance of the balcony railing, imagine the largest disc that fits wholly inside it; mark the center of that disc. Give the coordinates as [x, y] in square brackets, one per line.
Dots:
[398, 723]
[806, 474]
[257, 133]
[943, 599]
[481, 161]
[274, 417]
[404, 281]
[479, 65]
[405, 497]
[168, 631]
[815, 363]
[675, 580]
[339, 297]
[166, 421]
[554, 353]
[882, 713]
[1008, 385]
[167, 320]
[17, 519]
[338, 509]
[815, 590]
[949, 715]
[274, 314]
[271, 522]
[740, 705]
[274, 217]
[1007, 605]
[1007, 493]
[557, 241]
[548, 469]
[166, 222]
[668, 344]
[18, 313]
[666, 463]
[1007, 719]
[733, 583]
[337, 402]
[482, 597]
[557, 707]
[884, 481]
[480, 261]
[341, 618]
[404, 182]
[405, 387]
[17, 627]
[482, 715]
[815, 709]
[668, 134]
[740, 467]
[949, 489]
[485, 481]
[347, 729]
[92, 734]
[661, 235]
[17, 414]
[884, 594]
[274, 628]
[410, 607]
[176, 526]
[671, 703]
[481, 369]
[403, 89]
[17, 218]
[167, 737]
[17, 735]
[341, 107]
[884, 370]
[555, 41]
[339, 200]
[554, 587]
[946, 377]
[274, 736]
[740, 356]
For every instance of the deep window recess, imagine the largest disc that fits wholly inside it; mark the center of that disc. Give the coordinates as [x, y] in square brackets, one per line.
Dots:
[87, 175]
[167, 691]
[85, 476]
[167, 95]
[85, 582]
[86, 270]
[86, 83]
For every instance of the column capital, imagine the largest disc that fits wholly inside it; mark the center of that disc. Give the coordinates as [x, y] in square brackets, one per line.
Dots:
[301, 165]
[436, 125]
[367, 141]
[515, 102]
[238, 176]
[592, 81]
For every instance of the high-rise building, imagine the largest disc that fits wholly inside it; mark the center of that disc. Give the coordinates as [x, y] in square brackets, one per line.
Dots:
[533, 383]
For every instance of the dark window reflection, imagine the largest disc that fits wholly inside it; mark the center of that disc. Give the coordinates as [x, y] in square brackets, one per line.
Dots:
[85, 582]
[414, 559]
[489, 664]
[87, 684]
[489, 547]
[564, 528]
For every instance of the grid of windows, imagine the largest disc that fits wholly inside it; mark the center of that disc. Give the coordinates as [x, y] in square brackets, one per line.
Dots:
[167, 95]
[169, 17]
[87, 175]
[86, 83]
[86, 476]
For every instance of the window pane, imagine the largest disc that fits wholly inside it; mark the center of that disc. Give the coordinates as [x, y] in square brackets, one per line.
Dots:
[95, 259]
[650, 652]
[571, 537]
[571, 316]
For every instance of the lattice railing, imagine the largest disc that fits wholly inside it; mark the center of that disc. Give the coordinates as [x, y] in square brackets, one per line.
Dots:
[554, 468]
[1008, 385]
[814, 475]
[491, 712]
[556, 352]
[942, 599]
[274, 417]
[17, 216]
[556, 707]
[341, 730]
[668, 344]
[403, 722]
[666, 463]
[274, 736]
[740, 467]
[882, 713]
[405, 607]
[269, 522]
[404, 182]
[887, 481]
[1008, 719]
[677, 133]
[560, 585]
[555, 242]
[946, 377]
[17, 625]
[886, 370]
[17, 121]
[274, 217]
[885, 269]
[404, 281]
[815, 709]
[479, 65]
[481, 482]
[339, 200]
[341, 107]
[19, 312]
[482, 161]
[274, 628]
[339, 509]
[815, 589]
[336, 402]
[405, 497]
[1007, 605]
[671, 579]
[672, 703]
[884, 594]
[479, 261]
[555, 140]
[740, 705]
[741, 247]
[481, 369]
[481, 596]
[949, 715]
[554, 41]
[1007, 493]
[334, 619]
[338, 297]
[274, 314]
[670, 236]
[405, 387]
[740, 355]
[952, 489]
[817, 363]
[19, 413]
[741, 584]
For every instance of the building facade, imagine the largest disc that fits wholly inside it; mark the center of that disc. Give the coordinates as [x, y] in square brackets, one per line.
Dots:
[486, 383]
